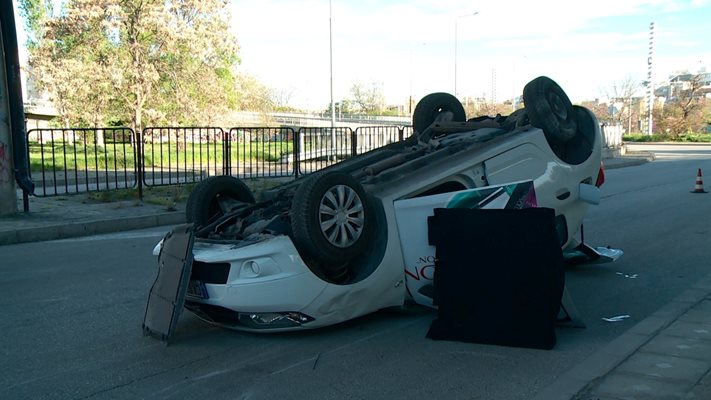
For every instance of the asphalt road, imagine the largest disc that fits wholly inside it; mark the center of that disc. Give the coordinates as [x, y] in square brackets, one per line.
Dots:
[72, 311]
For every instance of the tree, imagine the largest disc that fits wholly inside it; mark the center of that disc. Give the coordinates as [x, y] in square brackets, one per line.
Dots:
[491, 109]
[344, 106]
[138, 61]
[622, 95]
[478, 107]
[370, 100]
[253, 95]
[280, 98]
[690, 103]
[38, 17]
[601, 110]
[685, 112]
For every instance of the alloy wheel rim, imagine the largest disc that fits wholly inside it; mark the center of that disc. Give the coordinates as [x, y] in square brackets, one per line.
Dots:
[341, 216]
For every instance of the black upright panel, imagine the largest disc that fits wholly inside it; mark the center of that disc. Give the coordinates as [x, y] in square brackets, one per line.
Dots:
[499, 276]
[167, 295]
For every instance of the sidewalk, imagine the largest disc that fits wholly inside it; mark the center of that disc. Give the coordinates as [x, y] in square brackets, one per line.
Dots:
[675, 363]
[63, 217]
[666, 356]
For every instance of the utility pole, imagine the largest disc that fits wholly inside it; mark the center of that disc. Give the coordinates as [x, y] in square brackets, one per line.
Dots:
[650, 82]
[456, 34]
[493, 86]
[629, 117]
[330, 60]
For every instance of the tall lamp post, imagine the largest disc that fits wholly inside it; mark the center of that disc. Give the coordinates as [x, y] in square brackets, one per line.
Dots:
[456, 34]
[330, 60]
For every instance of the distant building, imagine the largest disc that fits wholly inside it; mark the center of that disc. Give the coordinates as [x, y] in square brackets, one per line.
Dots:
[39, 110]
[676, 84]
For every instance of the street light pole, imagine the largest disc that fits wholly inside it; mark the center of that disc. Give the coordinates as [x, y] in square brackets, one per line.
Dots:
[330, 59]
[456, 34]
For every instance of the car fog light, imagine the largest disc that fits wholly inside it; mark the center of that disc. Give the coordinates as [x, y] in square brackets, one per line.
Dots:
[254, 267]
[274, 320]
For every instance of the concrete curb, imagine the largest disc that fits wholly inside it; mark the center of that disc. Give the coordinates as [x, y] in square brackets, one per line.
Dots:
[586, 374]
[630, 159]
[70, 230]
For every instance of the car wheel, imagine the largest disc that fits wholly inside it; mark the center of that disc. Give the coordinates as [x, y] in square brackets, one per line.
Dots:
[215, 196]
[190, 204]
[549, 108]
[578, 150]
[331, 219]
[434, 104]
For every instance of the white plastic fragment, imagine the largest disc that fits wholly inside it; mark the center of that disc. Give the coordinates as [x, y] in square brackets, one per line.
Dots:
[608, 254]
[616, 319]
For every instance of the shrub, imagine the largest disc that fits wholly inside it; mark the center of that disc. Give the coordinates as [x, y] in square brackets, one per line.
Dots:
[685, 137]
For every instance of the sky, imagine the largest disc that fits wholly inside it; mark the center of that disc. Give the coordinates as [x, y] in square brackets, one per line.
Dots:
[407, 47]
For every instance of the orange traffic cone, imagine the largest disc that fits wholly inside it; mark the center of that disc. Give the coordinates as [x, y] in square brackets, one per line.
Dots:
[699, 186]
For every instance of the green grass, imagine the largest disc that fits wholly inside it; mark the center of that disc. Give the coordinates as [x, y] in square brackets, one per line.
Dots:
[58, 156]
[695, 137]
[686, 138]
[639, 137]
[271, 151]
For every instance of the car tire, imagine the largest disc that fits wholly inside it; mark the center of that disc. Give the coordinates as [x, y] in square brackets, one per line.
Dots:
[550, 109]
[215, 196]
[331, 219]
[578, 150]
[190, 204]
[434, 104]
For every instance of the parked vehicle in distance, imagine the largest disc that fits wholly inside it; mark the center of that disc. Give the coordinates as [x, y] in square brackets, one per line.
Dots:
[325, 248]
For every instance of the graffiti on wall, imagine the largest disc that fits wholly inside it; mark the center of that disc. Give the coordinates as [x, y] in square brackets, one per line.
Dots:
[5, 164]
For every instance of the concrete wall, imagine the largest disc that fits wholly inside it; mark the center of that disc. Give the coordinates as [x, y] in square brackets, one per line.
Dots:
[8, 193]
[611, 136]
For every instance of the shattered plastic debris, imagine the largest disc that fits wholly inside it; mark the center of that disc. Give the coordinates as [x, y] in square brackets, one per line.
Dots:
[609, 254]
[616, 319]
[631, 276]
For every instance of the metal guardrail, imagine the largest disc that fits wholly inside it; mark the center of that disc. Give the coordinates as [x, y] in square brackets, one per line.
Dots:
[70, 161]
[321, 147]
[81, 160]
[372, 137]
[260, 152]
[73, 160]
[171, 155]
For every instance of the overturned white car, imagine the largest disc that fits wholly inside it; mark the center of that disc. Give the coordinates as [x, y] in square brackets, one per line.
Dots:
[327, 248]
